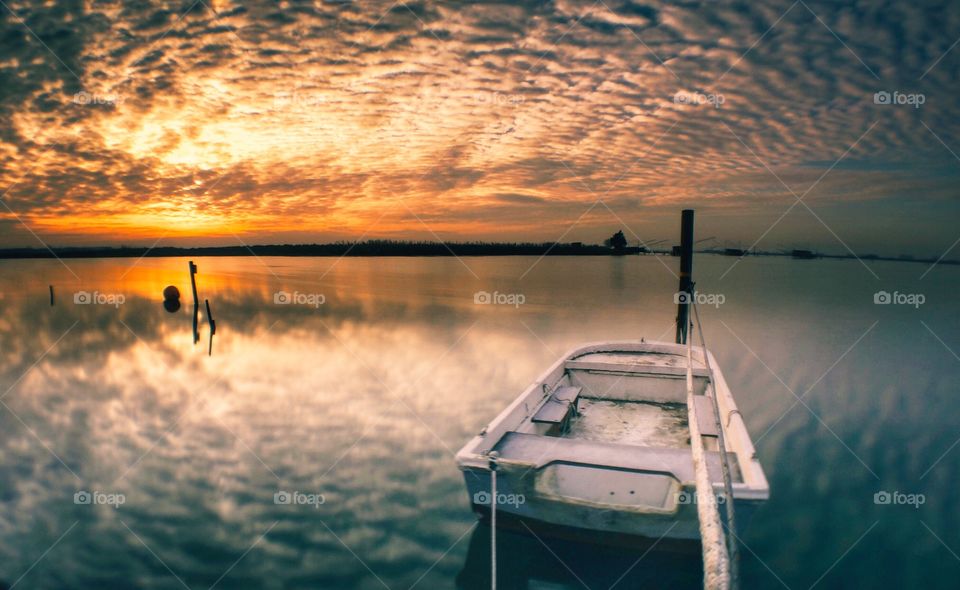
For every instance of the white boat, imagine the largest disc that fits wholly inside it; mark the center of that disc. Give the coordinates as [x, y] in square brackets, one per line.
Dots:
[600, 443]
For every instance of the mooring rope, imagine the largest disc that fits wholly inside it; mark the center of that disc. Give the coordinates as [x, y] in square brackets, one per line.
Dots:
[716, 560]
[493, 520]
[724, 462]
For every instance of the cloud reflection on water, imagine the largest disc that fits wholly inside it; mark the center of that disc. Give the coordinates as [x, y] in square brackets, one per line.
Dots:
[365, 397]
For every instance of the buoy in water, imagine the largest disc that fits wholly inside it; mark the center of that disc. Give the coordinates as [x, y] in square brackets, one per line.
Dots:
[171, 299]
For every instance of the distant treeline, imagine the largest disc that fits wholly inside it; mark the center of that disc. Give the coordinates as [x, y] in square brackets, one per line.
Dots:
[402, 248]
[367, 248]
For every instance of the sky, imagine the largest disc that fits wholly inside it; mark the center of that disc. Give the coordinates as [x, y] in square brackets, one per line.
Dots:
[825, 125]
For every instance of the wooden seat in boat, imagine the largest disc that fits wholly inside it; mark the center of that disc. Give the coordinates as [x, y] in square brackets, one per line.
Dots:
[557, 409]
[540, 451]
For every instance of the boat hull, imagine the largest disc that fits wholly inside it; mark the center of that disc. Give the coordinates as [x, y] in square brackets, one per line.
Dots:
[600, 444]
[519, 504]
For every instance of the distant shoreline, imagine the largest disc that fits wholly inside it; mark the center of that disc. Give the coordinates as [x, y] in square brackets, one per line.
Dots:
[367, 249]
[414, 249]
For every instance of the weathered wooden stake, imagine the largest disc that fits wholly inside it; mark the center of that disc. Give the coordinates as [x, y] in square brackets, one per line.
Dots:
[193, 283]
[686, 275]
[196, 302]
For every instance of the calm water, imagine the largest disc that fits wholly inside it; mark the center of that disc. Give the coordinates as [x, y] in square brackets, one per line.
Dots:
[363, 399]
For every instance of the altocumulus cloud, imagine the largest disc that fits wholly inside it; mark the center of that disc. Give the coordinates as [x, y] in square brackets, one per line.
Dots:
[331, 118]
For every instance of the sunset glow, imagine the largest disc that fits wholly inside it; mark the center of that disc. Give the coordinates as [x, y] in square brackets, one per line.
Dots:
[319, 121]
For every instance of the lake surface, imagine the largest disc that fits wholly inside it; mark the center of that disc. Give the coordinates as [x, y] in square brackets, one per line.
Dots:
[350, 384]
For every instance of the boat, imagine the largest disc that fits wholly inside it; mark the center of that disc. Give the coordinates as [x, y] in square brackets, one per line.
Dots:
[626, 441]
[600, 443]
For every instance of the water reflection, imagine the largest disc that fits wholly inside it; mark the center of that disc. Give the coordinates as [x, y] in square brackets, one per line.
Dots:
[211, 325]
[526, 561]
[364, 394]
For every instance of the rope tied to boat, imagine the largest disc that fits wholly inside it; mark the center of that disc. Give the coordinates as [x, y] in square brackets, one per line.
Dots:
[493, 457]
[716, 559]
[724, 458]
[731, 414]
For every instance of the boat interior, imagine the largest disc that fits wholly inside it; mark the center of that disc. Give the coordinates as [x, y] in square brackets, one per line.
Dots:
[617, 413]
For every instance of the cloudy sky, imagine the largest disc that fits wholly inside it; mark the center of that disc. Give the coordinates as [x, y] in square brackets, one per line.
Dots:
[220, 122]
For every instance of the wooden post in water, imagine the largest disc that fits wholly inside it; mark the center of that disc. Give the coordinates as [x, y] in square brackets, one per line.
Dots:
[193, 283]
[196, 302]
[213, 326]
[686, 275]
